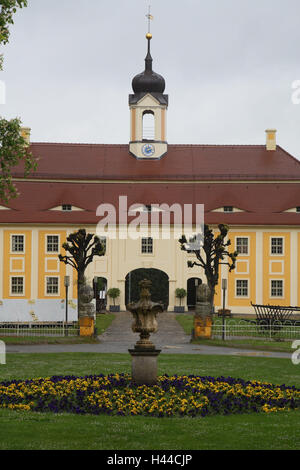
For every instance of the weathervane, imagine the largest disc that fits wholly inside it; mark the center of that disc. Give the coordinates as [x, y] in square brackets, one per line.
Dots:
[150, 17]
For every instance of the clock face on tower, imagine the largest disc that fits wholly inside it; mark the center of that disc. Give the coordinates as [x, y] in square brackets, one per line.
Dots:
[148, 150]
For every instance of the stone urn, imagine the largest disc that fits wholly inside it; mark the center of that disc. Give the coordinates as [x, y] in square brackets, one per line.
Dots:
[144, 355]
[144, 313]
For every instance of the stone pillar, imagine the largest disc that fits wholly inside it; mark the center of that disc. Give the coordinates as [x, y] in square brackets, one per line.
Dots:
[86, 310]
[144, 366]
[203, 314]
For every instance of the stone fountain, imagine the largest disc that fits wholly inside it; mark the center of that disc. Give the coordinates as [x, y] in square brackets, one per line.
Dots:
[144, 355]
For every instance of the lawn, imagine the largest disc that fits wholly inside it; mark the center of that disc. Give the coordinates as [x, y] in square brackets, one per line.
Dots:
[102, 323]
[21, 430]
[186, 322]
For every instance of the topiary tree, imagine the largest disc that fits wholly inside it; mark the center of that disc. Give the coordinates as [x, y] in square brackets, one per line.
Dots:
[213, 253]
[81, 248]
[180, 294]
[114, 293]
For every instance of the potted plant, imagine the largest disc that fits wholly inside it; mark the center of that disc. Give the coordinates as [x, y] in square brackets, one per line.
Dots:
[114, 293]
[180, 294]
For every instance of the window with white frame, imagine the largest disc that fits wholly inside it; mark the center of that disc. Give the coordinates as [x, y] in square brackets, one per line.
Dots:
[17, 243]
[276, 288]
[242, 245]
[52, 285]
[147, 245]
[52, 243]
[276, 246]
[17, 285]
[241, 288]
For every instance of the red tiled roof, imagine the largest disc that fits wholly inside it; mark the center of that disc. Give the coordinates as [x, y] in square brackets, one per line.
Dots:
[217, 176]
[263, 203]
[182, 162]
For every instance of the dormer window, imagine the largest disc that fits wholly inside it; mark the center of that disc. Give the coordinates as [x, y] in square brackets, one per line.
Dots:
[228, 208]
[66, 207]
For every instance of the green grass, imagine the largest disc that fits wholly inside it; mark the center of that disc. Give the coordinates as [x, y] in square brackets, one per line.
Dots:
[102, 323]
[186, 322]
[37, 431]
[258, 345]
[22, 430]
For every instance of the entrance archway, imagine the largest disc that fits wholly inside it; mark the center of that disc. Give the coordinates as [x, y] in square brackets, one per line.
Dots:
[159, 288]
[192, 284]
[100, 290]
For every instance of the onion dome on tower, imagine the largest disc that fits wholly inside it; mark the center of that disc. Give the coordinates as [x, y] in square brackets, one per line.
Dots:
[148, 104]
[148, 81]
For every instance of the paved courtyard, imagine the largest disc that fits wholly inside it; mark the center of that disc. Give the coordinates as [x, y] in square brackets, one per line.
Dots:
[119, 337]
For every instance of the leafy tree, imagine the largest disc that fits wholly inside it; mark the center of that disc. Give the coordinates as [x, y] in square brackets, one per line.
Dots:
[180, 294]
[213, 253]
[114, 293]
[81, 248]
[13, 146]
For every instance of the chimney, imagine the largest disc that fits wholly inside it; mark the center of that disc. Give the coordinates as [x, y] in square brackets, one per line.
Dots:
[25, 133]
[271, 139]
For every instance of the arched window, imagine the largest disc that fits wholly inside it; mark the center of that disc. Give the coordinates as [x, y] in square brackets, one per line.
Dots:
[148, 125]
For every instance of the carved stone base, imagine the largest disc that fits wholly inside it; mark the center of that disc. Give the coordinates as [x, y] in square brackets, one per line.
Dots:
[87, 326]
[144, 366]
[202, 327]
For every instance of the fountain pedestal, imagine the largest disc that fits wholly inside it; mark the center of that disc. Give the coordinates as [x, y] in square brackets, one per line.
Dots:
[144, 355]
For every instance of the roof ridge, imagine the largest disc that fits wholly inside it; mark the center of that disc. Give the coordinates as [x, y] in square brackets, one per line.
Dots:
[126, 145]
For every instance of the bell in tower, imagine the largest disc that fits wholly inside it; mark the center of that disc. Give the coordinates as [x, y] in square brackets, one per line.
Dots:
[148, 109]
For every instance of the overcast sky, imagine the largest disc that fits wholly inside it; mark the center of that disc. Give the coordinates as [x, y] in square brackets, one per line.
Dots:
[229, 68]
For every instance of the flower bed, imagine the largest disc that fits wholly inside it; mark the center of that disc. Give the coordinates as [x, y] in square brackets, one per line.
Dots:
[172, 396]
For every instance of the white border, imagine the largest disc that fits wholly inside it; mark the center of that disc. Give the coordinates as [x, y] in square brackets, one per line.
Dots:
[46, 243]
[241, 236]
[283, 290]
[141, 244]
[283, 246]
[242, 261]
[235, 287]
[51, 270]
[17, 259]
[24, 243]
[11, 294]
[280, 273]
[52, 295]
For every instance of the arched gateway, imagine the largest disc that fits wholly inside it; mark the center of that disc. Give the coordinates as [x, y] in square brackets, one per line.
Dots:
[159, 289]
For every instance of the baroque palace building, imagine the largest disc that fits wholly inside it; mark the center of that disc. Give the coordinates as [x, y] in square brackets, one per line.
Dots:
[255, 189]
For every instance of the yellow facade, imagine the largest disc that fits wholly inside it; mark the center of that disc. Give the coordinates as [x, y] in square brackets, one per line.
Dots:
[277, 267]
[245, 270]
[259, 266]
[49, 264]
[16, 264]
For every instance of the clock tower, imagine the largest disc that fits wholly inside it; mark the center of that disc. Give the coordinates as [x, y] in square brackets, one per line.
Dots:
[148, 109]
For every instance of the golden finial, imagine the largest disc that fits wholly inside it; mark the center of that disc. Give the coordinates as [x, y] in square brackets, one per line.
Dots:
[150, 17]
